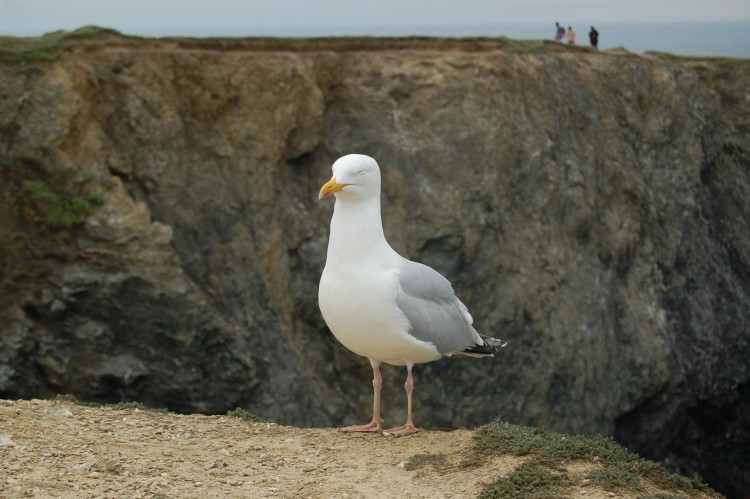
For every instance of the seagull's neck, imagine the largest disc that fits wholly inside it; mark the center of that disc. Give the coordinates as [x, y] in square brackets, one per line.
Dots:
[357, 232]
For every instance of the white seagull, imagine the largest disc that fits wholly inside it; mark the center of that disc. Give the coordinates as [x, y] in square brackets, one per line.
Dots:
[377, 303]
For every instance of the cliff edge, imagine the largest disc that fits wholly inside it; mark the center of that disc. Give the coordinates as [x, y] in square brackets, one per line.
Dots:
[58, 448]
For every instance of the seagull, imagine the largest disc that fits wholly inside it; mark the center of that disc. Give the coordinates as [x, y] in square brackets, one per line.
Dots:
[379, 304]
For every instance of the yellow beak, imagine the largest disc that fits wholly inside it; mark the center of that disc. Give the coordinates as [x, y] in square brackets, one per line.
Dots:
[329, 188]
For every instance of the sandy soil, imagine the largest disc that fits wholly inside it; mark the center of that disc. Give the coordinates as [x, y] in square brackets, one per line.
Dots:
[61, 449]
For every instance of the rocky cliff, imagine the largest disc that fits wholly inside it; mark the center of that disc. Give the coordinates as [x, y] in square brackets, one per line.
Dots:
[162, 239]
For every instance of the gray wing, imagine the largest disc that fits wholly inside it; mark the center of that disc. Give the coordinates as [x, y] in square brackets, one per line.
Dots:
[435, 313]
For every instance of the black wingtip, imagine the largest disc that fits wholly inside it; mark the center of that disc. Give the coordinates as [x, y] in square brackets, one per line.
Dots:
[490, 346]
[481, 350]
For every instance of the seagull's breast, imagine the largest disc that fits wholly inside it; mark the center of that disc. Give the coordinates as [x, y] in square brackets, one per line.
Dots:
[358, 302]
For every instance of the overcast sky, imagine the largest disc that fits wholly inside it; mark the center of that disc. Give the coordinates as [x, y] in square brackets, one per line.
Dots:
[174, 17]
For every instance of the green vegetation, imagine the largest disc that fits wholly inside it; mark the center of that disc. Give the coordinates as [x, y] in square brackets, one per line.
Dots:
[17, 50]
[528, 481]
[616, 476]
[54, 209]
[544, 473]
[665, 55]
[49, 196]
[618, 50]
[247, 416]
[49, 203]
[418, 460]
[548, 448]
[525, 45]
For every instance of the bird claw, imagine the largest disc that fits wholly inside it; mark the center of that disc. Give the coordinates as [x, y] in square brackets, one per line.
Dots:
[371, 427]
[400, 431]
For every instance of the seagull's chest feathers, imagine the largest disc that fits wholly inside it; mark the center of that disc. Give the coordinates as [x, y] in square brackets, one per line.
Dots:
[358, 290]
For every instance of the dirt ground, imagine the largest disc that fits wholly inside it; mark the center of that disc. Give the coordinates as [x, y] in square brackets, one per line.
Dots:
[57, 448]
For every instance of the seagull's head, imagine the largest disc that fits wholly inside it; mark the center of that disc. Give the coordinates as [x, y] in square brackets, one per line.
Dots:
[355, 177]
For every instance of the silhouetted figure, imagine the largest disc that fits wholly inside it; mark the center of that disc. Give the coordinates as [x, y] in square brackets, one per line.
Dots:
[571, 35]
[559, 32]
[594, 38]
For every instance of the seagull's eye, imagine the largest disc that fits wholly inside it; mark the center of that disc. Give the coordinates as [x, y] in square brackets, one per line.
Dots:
[361, 172]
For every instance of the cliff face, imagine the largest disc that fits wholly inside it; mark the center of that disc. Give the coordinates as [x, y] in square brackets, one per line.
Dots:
[592, 209]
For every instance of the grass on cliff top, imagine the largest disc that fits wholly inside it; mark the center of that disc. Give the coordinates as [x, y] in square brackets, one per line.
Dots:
[246, 415]
[544, 474]
[17, 50]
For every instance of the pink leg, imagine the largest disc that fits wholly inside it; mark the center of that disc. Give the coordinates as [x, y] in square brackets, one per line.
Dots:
[374, 425]
[407, 428]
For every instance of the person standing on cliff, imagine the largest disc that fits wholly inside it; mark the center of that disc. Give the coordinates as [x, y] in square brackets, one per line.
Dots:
[594, 38]
[571, 36]
[559, 32]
